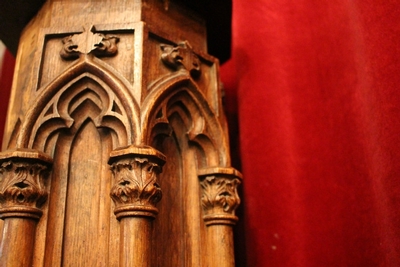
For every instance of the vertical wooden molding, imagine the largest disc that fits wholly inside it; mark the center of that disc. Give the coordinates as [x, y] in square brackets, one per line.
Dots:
[22, 193]
[135, 193]
[220, 199]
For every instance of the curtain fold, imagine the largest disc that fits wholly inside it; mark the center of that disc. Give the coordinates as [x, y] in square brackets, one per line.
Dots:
[7, 63]
[317, 85]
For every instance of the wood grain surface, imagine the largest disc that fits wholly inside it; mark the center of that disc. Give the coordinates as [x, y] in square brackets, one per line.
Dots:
[119, 105]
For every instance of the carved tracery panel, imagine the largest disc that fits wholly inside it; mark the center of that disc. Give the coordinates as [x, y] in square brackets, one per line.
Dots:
[177, 93]
[55, 102]
[184, 127]
[78, 120]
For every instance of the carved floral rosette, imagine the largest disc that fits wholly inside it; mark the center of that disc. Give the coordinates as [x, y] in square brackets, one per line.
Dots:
[22, 183]
[219, 195]
[135, 191]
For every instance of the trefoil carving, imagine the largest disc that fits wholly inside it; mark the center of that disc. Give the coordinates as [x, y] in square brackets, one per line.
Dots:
[181, 56]
[135, 191]
[89, 42]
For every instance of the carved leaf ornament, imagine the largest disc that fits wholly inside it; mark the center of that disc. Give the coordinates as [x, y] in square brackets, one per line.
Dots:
[136, 182]
[220, 195]
[22, 184]
[135, 190]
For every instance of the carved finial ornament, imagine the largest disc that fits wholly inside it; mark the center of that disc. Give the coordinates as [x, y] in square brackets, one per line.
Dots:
[219, 196]
[89, 42]
[22, 188]
[181, 56]
[135, 191]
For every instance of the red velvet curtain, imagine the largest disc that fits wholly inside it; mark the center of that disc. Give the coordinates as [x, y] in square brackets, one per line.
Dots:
[7, 63]
[313, 101]
[317, 85]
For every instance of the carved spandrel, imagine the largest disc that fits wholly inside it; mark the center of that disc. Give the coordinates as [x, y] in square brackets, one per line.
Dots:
[135, 191]
[89, 42]
[181, 56]
[22, 183]
[219, 195]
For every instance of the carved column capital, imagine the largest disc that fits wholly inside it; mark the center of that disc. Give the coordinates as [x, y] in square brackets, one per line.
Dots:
[219, 196]
[22, 189]
[135, 191]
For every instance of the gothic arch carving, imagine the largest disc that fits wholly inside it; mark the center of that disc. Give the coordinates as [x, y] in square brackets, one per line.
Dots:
[178, 94]
[50, 111]
[177, 120]
[79, 118]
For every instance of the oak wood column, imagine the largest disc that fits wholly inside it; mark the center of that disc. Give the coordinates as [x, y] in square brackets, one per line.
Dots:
[120, 84]
[22, 193]
[219, 198]
[135, 193]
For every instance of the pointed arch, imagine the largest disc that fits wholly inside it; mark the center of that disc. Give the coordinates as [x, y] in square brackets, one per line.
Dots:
[122, 104]
[178, 94]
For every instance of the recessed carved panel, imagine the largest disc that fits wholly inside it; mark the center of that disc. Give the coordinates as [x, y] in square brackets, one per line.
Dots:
[167, 60]
[105, 45]
[181, 97]
[81, 83]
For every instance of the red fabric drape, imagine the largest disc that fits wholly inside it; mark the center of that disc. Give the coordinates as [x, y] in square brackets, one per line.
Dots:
[6, 75]
[317, 85]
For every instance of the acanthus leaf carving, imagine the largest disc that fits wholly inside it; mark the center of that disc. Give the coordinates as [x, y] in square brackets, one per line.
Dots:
[135, 190]
[219, 195]
[136, 182]
[181, 56]
[22, 182]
